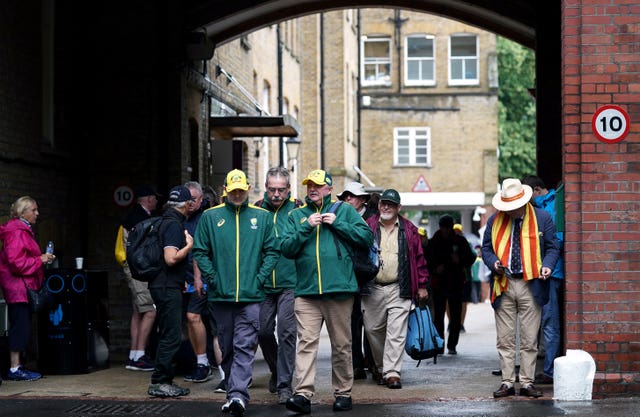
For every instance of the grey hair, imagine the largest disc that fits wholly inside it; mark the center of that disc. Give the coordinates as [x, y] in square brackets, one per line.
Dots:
[193, 185]
[277, 172]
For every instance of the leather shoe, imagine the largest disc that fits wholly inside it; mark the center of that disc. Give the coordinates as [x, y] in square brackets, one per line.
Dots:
[543, 379]
[359, 373]
[496, 372]
[530, 391]
[342, 404]
[299, 404]
[377, 376]
[394, 382]
[504, 391]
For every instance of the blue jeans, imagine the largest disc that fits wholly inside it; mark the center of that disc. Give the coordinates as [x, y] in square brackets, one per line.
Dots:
[551, 325]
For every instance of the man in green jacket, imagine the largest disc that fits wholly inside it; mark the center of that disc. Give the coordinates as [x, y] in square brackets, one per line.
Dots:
[318, 239]
[236, 249]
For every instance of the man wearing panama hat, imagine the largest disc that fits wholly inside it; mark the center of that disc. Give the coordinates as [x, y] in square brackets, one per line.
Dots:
[520, 248]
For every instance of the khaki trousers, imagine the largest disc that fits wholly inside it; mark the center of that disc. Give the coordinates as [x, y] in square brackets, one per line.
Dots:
[516, 302]
[310, 315]
[385, 317]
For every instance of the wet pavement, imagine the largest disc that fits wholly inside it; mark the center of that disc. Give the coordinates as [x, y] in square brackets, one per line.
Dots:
[457, 385]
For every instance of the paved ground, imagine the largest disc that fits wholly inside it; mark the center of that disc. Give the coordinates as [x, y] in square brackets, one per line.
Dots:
[459, 385]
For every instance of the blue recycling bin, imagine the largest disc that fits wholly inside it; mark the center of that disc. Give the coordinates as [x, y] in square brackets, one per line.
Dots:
[73, 334]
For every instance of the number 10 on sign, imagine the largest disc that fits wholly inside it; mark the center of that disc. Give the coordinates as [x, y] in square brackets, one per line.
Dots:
[610, 124]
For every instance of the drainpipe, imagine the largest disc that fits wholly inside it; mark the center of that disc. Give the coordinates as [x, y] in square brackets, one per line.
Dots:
[359, 95]
[280, 98]
[322, 128]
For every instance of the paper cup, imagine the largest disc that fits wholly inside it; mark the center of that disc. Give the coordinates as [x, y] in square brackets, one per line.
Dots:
[79, 262]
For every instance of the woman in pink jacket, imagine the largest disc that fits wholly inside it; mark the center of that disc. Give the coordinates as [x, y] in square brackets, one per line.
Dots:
[21, 263]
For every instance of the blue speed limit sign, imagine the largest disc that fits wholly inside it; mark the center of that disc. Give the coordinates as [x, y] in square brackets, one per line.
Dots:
[610, 123]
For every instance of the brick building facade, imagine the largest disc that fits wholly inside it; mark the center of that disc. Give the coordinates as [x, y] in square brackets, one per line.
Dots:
[99, 101]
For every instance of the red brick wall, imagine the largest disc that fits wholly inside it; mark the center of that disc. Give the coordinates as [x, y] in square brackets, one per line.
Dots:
[601, 65]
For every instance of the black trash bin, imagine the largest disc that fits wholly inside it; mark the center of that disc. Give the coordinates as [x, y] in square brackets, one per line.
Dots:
[62, 330]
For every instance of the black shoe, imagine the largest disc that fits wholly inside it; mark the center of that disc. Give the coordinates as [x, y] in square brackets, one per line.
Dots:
[342, 404]
[273, 384]
[299, 404]
[359, 373]
[530, 391]
[496, 372]
[543, 379]
[504, 391]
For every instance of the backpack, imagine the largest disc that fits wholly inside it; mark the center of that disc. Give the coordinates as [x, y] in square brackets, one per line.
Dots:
[145, 254]
[366, 261]
[423, 340]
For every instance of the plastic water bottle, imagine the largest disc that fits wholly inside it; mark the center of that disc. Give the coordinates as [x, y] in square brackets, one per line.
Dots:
[49, 249]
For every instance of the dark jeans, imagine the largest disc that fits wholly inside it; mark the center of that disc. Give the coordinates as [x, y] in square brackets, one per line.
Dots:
[168, 303]
[359, 341]
[440, 299]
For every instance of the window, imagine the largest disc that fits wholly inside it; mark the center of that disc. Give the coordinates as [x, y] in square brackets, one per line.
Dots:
[463, 60]
[412, 146]
[420, 60]
[376, 61]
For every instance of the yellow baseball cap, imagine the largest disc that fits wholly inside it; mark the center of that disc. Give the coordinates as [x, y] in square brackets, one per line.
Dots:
[236, 180]
[318, 176]
[457, 227]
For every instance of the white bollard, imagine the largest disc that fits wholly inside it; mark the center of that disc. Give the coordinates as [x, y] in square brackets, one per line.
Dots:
[573, 376]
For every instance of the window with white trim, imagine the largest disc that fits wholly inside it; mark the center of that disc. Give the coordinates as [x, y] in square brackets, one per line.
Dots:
[419, 55]
[412, 146]
[376, 61]
[463, 59]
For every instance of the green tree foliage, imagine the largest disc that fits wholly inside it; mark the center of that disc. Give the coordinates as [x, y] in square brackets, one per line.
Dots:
[517, 110]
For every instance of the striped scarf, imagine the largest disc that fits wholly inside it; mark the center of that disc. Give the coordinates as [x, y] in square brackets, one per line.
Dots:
[529, 242]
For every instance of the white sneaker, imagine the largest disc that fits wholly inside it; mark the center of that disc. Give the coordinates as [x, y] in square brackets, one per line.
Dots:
[237, 407]
[225, 406]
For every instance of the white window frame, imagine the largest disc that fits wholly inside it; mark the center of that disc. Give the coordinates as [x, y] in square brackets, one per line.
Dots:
[426, 60]
[466, 61]
[411, 133]
[377, 62]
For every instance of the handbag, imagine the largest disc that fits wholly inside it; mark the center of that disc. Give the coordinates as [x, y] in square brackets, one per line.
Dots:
[120, 251]
[39, 300]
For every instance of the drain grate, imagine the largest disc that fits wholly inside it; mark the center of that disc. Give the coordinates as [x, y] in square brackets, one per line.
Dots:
[111, 409]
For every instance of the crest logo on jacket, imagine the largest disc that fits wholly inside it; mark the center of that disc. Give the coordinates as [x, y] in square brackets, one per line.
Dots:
[254, 223]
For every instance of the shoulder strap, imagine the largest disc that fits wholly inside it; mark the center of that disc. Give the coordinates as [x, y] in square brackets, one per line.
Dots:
[333, 209]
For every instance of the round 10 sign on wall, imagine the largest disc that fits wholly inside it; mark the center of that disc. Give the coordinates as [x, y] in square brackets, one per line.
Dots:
[610, 124]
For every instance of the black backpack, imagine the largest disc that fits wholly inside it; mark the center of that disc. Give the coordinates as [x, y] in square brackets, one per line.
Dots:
[145, 254]
[366, 261]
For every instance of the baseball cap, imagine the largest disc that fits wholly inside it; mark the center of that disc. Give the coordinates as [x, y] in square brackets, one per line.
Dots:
[354, 188]
[236, 180]
[457, 227]
[146, 190]
[179, 194]
[319, 177]
[390, 195]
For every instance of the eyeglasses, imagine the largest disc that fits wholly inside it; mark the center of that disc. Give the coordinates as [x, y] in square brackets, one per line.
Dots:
[279, 190]
[388, 204]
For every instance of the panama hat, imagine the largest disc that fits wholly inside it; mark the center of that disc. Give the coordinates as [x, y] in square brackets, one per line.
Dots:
[512, 196]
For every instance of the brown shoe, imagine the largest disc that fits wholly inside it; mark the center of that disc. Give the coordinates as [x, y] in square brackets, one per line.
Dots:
[394, 382]
[542, 379]
[504, 391]
[530, 391]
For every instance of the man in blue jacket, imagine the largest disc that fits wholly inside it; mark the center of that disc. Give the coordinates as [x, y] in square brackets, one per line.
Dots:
[551, 311]
[520, 248]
